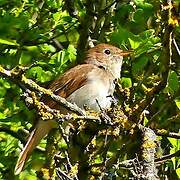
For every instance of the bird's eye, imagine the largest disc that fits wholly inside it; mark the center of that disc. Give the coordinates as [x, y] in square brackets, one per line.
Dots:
[107, 51]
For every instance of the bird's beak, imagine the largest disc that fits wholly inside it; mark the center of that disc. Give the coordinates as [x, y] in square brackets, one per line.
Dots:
[126, 53]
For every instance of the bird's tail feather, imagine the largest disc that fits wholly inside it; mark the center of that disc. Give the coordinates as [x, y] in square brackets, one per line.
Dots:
[41, 130]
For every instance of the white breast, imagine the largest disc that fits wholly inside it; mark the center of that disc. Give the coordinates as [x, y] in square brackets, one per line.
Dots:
[96, 89]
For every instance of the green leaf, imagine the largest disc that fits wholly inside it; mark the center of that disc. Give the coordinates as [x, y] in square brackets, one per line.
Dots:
[41, 75]
[26, 175]
[173, 141]
[98, 159]
[134, 44]
[45, 76]
[56, 16]
[2, 91]
[73, 36]
[175, 147]
[139, 16]
[62, 144]
[172, 83]
[25, 58]
[2, 115]
[9, 42]
[178, 172]
[121, 37]
[72, 53]
[48, 48]
[6, 85]
[177, 101]
[145, 121]
[139, 64]
[126, 82]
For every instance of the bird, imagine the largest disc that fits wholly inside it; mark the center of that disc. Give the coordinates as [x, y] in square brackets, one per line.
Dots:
[90, 84]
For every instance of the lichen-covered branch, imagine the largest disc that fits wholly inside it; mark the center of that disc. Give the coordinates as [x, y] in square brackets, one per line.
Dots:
[18, 76]
[148, 149]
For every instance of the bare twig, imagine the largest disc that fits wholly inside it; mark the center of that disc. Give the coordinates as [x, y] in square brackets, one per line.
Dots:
[62, 175]
[127, 163]
[166, 157]
[166, 133]
[176, 46]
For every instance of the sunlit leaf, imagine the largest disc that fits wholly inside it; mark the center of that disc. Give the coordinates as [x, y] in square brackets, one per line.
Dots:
[134, 44]
[8, 42]
[72, 53]
[177, 101]
[178, 172]
[126, 82]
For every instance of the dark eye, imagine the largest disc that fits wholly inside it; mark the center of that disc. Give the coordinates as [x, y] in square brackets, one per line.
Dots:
[107, 51]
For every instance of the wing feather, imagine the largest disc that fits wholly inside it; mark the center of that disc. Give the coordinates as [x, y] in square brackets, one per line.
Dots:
[69, 82]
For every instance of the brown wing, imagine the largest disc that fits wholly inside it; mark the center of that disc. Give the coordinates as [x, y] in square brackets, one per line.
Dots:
[69, 82]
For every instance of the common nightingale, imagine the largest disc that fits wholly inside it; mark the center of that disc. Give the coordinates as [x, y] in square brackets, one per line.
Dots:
[90, 84]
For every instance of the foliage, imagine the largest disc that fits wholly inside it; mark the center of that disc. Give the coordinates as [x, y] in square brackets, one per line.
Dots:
[52, 36]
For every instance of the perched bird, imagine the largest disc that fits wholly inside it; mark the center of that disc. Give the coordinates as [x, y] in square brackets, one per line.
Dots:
[90, 84]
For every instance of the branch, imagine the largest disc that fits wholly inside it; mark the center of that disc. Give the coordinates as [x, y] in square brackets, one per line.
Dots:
[166, 133]
[148, 146]
[166, 157]
[48, 113]
[103, 11]
[176, 46]
[62, 175]
[127, 163]
[16, 75]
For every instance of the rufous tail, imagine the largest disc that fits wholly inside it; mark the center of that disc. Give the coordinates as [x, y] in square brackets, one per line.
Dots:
[41, 130]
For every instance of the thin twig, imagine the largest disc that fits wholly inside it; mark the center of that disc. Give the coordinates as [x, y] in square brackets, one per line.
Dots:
[167, 134]
[166, 157]
[176, 46]
[62, 174]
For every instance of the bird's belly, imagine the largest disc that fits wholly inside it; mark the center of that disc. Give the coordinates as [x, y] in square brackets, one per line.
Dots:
[93, 95]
